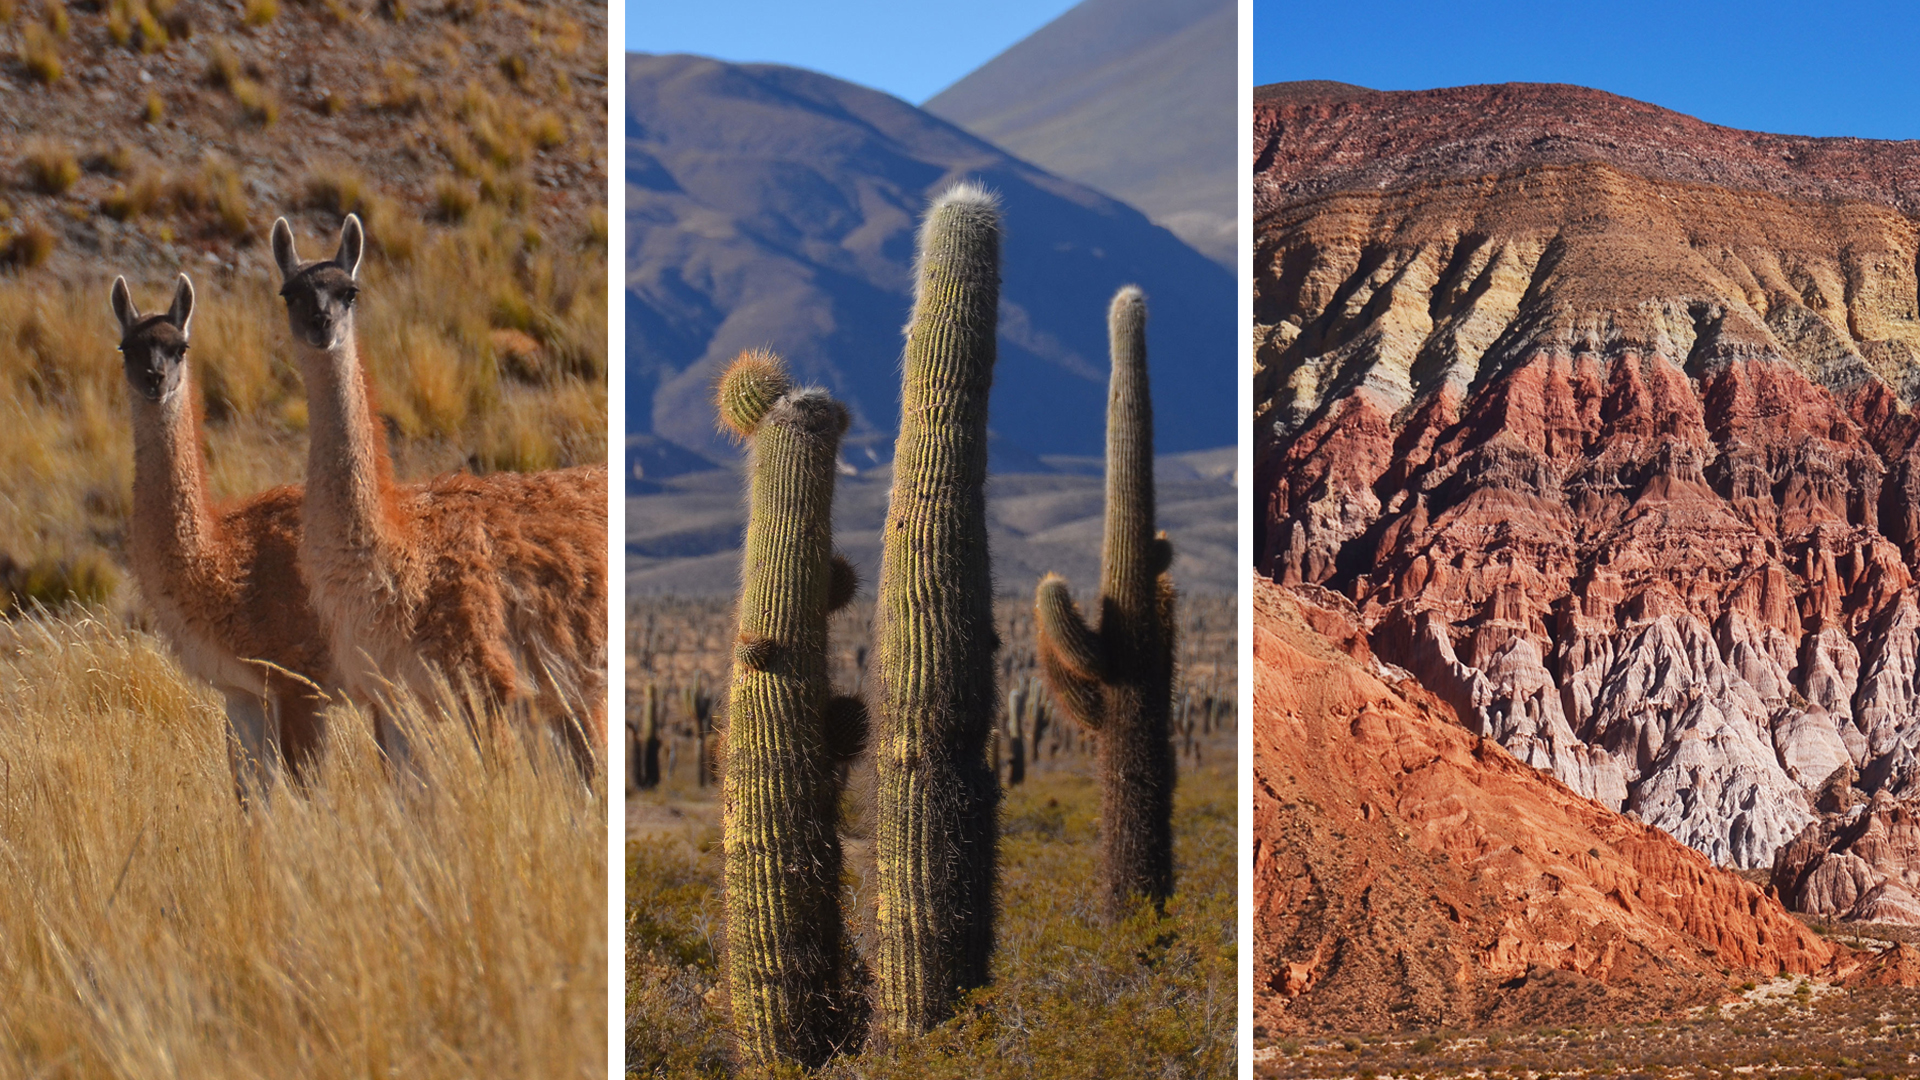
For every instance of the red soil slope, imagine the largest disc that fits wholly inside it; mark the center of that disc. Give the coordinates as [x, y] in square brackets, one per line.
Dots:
[1409, 872]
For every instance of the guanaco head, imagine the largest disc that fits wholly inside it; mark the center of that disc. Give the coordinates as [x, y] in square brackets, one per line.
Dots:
[320, 294]
[154, 347]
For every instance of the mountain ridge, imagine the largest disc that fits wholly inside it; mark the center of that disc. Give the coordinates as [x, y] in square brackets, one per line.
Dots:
[790, 226]
[1606, 433]
[1129, 97]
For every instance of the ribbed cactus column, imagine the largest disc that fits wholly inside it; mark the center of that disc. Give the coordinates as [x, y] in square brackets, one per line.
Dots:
[933, 632]
[787, 956]
[1118, 680]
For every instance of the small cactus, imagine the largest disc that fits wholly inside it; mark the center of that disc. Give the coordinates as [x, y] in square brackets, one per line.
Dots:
[647, 775]
[1117, 681]
[1016, 730]
[790, 969]
[934, 637]
[697, 700]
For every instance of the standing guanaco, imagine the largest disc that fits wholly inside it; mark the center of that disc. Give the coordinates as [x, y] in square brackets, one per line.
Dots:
[224, 582]
[498, 582]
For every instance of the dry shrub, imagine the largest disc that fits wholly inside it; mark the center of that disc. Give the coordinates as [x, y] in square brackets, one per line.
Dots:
[141, 194]
[214, 193]
[448, 925]
[399, 90]
[48, 584]
[137, 24]
[256, 102]
[28, 246]
[340, 190]
[223, 67]
[40, 53]
[452, 200]
[260, 12]
[51, 166]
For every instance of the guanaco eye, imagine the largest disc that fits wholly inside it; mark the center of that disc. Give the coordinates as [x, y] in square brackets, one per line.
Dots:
[352, 295]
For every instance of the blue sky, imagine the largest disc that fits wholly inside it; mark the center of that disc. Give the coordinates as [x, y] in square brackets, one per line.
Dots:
[909, 48]
[1846, 68]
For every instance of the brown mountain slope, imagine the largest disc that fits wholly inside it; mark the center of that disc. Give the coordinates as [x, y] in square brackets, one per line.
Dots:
[1314, 137]
[1601, 417]
[1407, 872]
[170, 132]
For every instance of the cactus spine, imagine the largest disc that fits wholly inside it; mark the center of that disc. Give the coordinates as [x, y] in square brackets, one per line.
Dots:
[934, 638]
[789, 965]
[1118, 680]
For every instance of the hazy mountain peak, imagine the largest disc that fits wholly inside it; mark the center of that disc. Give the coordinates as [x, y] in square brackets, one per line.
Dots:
[1133, 97]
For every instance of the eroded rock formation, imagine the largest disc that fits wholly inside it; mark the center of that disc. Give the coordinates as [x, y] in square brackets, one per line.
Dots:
[1410, 873]
[1601, 419]
[1861, 860]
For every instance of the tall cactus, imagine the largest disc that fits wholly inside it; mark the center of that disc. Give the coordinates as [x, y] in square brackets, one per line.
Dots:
[790, 968]
[1118, 680]
[934, 638]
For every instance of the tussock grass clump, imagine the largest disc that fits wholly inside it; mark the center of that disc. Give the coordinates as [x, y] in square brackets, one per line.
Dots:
[256, 102]
[27, 246]
[446, 928]
[51, 166]
[145, 25]
[40, 53]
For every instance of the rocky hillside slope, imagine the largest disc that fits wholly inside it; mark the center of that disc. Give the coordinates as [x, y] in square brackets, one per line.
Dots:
[170, 133]
[1131, 97]
[1411, 874]
[1601, 417]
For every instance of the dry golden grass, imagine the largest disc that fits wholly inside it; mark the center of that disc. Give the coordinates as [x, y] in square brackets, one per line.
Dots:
[151, 927]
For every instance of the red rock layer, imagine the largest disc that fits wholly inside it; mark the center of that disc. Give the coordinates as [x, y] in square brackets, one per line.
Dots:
[1409, 872]
[1614, 454]
[1310, 138]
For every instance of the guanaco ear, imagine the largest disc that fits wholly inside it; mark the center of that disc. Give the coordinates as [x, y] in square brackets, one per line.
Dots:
[353, 240]
[123, 308]
[283, 252]
[181, 313]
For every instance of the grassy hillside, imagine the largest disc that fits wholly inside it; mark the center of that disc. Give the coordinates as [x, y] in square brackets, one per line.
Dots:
[150, 137]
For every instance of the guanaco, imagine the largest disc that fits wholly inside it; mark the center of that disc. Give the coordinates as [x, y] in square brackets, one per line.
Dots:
[496, 582]
[224, 582]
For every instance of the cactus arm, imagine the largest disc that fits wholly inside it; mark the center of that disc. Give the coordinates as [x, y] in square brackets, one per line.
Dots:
[1082, 698]
[1060, 629]
[1069, 653]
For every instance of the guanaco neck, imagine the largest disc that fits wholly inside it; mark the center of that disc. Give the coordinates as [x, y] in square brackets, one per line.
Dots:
[349, 475]
[174, 531]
